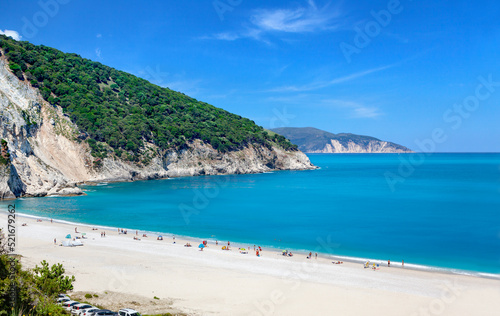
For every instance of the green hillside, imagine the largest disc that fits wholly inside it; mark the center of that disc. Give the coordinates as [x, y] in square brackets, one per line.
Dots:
[124, 111]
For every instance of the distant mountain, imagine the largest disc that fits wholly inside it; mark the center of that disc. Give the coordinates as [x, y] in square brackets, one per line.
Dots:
[313, 140]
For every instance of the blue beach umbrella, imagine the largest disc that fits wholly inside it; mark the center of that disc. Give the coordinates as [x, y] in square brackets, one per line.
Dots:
[68, 236]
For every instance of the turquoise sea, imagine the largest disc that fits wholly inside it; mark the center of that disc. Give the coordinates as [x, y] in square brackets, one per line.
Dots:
[442, 210]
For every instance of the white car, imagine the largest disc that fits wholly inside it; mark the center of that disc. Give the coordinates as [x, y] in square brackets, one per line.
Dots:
[89, 311]
[76, 309]
[128, 312]
[69, 304]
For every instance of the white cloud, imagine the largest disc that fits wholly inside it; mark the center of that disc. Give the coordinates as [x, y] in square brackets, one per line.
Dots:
[98, 52]
[15, 35]
[99, 35]
[323, 84]
[298, 20]
[302, 19]
[356, 109]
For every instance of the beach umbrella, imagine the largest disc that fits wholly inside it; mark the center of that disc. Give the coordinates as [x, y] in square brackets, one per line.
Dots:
[201, 246]
[68, 236]
[160, 236]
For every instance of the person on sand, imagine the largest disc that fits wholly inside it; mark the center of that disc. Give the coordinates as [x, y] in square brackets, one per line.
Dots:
[104, 233]
[55, 242]
[402, 263]
[51, 220]
[76, 230]
[316, 255]
[216, 242]
[144, 235]
[310, 255]
[174, 239]
[388, 263]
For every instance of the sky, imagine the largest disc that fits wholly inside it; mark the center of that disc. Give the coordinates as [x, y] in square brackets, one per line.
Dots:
[424, 74]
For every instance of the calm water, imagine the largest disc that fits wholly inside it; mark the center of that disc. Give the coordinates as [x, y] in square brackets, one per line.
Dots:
[446, 213]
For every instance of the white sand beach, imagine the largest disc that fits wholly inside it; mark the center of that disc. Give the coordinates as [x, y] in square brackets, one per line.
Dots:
[217, 282]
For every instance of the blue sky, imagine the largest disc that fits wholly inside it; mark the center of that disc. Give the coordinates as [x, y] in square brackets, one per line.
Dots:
[404, 71]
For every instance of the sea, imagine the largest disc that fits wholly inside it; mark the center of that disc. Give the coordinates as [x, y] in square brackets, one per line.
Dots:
[437, 211]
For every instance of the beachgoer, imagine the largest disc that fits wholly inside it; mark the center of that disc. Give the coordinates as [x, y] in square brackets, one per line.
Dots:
[174, 239]
[253, 247]
[388, 263]
[55, 241]
[104, 234]
[101, 234]
[137, 233]
[316, 255]
[402, 263]
[216, 242]
[310, 255]
[51, 220]
[144, 235]
[76, 230]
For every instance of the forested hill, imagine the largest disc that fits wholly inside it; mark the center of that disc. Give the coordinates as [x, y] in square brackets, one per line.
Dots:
[123, 111]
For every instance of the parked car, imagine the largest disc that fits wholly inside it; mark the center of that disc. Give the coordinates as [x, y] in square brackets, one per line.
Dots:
[82, 311]
[62, 296]
[105, 312]
[69, 304]
[128, 312]
[75, 310]
[89, 311]
[62, 300]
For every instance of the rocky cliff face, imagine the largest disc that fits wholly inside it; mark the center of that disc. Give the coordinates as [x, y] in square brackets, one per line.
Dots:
[45, 157]
[374, 146]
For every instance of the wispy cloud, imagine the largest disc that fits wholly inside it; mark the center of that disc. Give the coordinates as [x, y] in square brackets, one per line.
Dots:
[356, 109]
[98, 52]
[298, 20]
[323, 84]
[15, 35]
[301, 19]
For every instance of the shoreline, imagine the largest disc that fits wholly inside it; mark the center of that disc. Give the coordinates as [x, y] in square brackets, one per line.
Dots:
[216, 282]
[296, 251]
